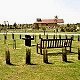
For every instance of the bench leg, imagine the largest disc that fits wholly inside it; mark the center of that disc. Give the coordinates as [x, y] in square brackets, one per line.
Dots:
[41, 51]
[70, 49]
[78, 53]
[45, 56]
[64, 55]
[37, 48]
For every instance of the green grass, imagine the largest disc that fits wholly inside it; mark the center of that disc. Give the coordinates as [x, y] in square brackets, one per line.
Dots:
[57, 70]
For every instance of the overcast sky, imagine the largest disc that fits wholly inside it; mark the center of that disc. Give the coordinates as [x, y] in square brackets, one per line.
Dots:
[26, 11]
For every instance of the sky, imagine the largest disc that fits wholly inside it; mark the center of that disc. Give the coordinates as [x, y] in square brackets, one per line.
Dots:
[26, 11]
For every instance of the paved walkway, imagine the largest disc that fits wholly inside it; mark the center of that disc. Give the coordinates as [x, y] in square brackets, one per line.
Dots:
[43, 33]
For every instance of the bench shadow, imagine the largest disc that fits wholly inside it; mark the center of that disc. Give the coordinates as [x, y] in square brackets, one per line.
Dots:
[68, 62]
[31, 64]
[54, 54]
[59, 53]
[33, 45]
[49, 63]
[11, 64]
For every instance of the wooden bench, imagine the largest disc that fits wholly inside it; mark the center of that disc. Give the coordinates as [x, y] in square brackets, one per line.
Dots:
[54, 43]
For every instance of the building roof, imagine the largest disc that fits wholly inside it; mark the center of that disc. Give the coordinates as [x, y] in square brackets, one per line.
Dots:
[50, 21]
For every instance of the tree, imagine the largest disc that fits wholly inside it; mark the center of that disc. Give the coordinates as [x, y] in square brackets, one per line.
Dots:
[44, 29]
[36, 26]
[56, 26]
[71, 28]
[15, 25]
[56, 17]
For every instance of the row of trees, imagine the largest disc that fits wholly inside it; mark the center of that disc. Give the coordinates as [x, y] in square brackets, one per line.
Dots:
[14, 26]
[62, 28]
[70, 28]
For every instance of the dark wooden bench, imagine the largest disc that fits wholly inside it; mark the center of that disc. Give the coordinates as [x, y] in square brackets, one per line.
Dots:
[54, 43]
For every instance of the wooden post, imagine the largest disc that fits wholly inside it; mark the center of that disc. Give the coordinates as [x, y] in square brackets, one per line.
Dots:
[37, 48]
[20, 36]
[12, 36]
[5, 38]
[64, 55]
[66, 36]
[78, 38]
[39, 36]
[14, 44]
[28, 56]
[54, 37]
[41, 46]
[59, 36]
[47, 36]
[5, 35]
[45, 55]
[7, 56]
[44, 32]
[72, 37]
[78, 53]
[35, 38]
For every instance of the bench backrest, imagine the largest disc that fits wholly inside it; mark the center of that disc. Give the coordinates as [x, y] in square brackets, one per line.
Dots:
[56, 43]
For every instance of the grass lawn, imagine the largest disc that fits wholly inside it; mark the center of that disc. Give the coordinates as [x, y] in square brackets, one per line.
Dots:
[57, 70]
[30, 30]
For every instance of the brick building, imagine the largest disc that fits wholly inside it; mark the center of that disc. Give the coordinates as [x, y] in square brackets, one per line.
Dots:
[50, 23]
